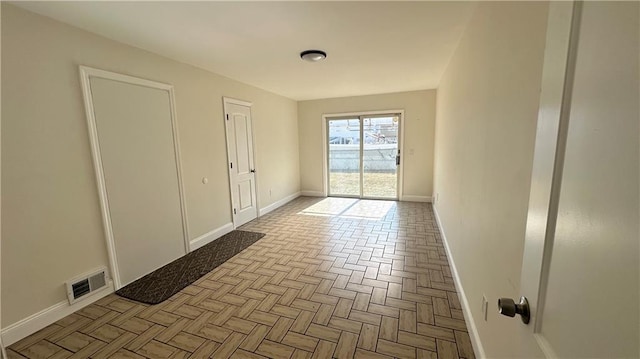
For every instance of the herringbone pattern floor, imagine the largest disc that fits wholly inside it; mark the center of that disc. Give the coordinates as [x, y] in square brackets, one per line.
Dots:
[333, 277]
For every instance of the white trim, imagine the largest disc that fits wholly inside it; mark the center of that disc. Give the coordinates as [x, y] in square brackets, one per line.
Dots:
[403, 157]
[277, 204]
[235, 101]
[312, 194]
[210, 236]
[226, 141]
[411, 198]
[48, 316]
[363, 113]
[466, 309]
[254, 148]
[554, 110]
[3, 352]
[97, 165]
[325, 159]
[85, 74]
[326, 116]
[176, 147]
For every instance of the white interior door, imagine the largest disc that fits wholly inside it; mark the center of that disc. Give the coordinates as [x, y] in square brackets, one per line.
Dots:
[242, 176]
[581, 261]
[136, 155]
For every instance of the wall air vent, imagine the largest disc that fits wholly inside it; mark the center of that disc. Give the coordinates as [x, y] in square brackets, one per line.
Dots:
[82, 286]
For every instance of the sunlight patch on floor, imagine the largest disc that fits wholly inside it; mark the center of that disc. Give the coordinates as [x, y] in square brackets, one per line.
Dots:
[349, 208]
[329, 207]
[369, 209]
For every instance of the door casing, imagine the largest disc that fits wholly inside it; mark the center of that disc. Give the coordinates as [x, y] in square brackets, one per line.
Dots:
[551, 135]
[559, 225]
[86, 73]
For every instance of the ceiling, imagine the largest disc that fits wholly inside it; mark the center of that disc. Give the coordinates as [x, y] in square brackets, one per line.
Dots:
[372, 47]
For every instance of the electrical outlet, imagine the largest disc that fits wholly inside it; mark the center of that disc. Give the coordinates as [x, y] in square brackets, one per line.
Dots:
[485, 307]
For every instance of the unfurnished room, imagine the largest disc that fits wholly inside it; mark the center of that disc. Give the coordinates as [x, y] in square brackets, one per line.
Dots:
[320, 179]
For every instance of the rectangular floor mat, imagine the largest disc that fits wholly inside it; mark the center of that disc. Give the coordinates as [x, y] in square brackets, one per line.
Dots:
[162, 283]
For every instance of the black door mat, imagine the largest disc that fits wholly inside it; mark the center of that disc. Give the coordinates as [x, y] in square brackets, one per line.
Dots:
[162, 283]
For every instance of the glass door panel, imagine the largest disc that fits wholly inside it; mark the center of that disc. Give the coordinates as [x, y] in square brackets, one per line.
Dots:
[344, 136]
[379, 161]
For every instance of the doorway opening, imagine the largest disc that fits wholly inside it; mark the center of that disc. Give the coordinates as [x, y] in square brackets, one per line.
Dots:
[363, 155]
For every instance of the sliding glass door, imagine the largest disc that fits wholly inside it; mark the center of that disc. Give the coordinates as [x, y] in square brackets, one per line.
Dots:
[363, 156]
[344, 157]
[379, 157]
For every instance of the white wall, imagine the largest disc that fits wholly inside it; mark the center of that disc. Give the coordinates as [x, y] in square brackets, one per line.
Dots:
[419, 122]
[487, 110]
[52, 227]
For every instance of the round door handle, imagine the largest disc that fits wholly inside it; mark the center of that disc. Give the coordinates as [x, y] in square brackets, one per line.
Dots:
[253, 171]
[508, 307]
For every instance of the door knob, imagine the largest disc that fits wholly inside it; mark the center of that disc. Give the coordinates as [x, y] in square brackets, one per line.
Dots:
[253, 171]
[508, 307]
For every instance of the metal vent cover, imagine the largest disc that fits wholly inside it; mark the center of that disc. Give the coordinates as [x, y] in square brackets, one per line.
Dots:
[97, 281]
[80, 287]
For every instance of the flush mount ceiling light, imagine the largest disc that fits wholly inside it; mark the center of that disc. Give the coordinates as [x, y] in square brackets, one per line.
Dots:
[313, 55]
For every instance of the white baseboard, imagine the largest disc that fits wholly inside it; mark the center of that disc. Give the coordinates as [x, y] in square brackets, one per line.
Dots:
[409, 198]
[277, 204]
[312, 193]
[210, 236]
[466, 309]
[48, 316]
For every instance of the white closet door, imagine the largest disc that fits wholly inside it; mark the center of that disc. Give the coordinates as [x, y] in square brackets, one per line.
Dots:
[241, 164]
[135, 136]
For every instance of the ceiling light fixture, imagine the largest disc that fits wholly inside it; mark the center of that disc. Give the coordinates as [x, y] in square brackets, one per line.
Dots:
[313, 55]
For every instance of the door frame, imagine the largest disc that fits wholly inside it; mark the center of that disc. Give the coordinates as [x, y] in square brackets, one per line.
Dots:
[563, 30]
[86, 73]
[325, 148]
[231, 100]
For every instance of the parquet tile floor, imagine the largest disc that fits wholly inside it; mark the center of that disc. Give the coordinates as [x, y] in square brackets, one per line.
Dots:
[333, 278]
